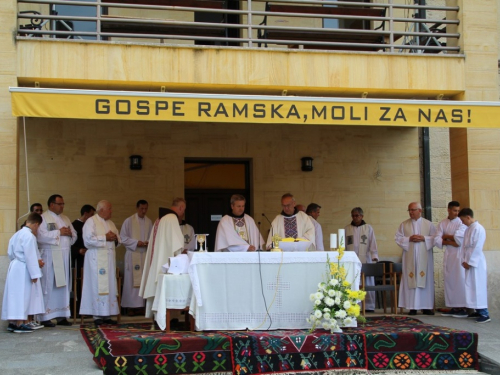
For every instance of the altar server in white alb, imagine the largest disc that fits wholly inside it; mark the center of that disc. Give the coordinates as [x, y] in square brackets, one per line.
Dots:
[450, 235]
[237, 231]
[314, 210]
[189, 237]
[100, 292]
[22, 293]
[291, 223]
[166, 241]
[134, 235]
[360, 238]
[474, 263]
[55, 237]
[416, 237]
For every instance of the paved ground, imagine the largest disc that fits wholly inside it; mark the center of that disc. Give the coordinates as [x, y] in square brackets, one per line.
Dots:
[62, 351]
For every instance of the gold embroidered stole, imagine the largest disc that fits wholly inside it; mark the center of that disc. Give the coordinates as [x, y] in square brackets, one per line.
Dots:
[102, 255]
[417, 276]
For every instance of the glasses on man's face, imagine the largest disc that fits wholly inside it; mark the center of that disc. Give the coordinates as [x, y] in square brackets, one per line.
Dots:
[353, 216]
[412, 209]
[287, 205]
[38, 211]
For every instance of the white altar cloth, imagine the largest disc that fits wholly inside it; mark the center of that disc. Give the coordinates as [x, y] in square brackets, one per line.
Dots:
[228, 293]
[172, 292]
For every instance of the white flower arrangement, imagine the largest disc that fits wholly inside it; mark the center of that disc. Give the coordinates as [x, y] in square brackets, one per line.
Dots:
[335, 305]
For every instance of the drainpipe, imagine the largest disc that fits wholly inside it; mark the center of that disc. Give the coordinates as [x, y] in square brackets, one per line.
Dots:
[426, 161]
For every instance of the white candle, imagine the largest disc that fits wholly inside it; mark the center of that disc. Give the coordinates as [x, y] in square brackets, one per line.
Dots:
[333, 241]
[341, 238]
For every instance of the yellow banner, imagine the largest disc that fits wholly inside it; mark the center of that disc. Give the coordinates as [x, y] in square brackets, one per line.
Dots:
[118, 105]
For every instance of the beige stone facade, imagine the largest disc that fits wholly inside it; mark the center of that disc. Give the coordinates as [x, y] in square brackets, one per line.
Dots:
[377, 168]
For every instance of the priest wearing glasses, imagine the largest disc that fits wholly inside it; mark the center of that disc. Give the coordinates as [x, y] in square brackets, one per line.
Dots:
[237, 231]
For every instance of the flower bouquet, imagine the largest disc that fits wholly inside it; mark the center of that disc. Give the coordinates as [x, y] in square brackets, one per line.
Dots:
[335, 304]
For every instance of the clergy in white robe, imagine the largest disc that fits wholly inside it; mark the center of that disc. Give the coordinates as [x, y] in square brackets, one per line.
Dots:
[134, 235]
[291, 223]
[360, 238]
[449, 237]
[314, 210]
[166, 241]
[55, 237]
[23, 293]
[416, 237]
[474, 263]
[100, 292]
[189, 236]
[237, 231]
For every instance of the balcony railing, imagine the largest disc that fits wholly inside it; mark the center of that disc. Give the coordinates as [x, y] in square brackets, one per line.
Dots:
[304, 24]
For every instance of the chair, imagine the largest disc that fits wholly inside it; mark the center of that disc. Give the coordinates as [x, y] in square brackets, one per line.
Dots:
[397, 268]
[377, 270]
[378, 281]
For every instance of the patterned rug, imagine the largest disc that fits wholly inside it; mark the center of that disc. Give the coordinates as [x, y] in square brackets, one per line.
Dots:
[382, 343]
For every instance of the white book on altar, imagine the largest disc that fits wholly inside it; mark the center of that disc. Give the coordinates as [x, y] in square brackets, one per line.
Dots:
[294, 246]
[176, 265]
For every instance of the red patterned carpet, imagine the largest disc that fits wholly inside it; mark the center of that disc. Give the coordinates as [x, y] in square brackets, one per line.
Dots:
[382, 343]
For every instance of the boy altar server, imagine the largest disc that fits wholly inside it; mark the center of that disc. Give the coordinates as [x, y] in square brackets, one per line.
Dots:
[474, 262]
[237, 231]
[23, 293]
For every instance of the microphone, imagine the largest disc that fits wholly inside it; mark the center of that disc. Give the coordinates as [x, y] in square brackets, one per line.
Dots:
[259, 249]
[272, 232]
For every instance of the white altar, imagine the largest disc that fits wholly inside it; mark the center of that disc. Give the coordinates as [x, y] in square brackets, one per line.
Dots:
[259, 290]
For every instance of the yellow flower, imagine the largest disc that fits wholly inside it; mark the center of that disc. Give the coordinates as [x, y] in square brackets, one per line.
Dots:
[333, 268]
[346, 283]
[341, 253]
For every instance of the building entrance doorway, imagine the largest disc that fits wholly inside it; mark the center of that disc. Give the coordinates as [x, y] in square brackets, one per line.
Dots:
[209, 185]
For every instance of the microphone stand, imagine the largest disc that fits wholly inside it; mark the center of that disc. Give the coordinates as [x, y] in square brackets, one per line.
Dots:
[272, 232]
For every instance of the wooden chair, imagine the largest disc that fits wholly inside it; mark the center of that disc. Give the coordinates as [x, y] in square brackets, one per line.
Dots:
[397, 268]
[377, 270]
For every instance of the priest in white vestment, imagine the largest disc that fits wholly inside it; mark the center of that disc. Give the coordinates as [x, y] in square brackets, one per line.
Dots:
[291, 223]
[134, 235]
[416, 237]
[166, 241]
[314, 210]
[237, 231]
[449, 236]
[23, 293]
[100, 291]
[55, 237]
[474, 263]
[360, 238]
[189, 236]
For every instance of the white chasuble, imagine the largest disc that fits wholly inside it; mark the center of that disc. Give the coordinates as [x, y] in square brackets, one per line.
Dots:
[281, 225]
[237, 234]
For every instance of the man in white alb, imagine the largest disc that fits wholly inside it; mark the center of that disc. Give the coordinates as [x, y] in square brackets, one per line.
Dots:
[189, 236]
[100, 292]
[291, 223]
[166, 241]
[55, 237]
[134, 234]
[237, 231]
[450, 236]
[360, 238]
[416, 237]
[314, 210]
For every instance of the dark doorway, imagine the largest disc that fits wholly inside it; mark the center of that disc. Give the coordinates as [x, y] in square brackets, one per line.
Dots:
[209, 185]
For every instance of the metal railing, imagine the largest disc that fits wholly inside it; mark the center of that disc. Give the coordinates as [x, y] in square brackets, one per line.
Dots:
[396, 28]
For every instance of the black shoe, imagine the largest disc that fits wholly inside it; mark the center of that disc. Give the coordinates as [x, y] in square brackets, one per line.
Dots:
[64, 322]
[11, 327]
[48, 324]
[369, 311]
[427, 312]
[412, 312]
[109, 321]
[98, 322]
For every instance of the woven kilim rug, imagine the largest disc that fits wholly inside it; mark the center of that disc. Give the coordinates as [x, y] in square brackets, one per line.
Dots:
[384, 343]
